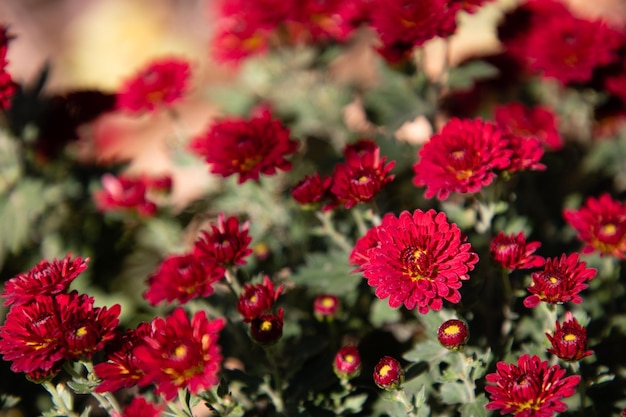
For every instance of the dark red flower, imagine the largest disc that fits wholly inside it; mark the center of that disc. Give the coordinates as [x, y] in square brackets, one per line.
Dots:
[526, 154]
[161, 83]
[601, 224]
[529, 389]
[360, 148]
[538, 122]
[463, 158]
[139, 407]
[122, 368]
[46, 278]
[124, 194]
[388, 374]
[560, 281]
[236, 39]
[347, 363]
[257, 299]
[266, 329]
[7, 86]
[359, 255]
[248, 148]
[421, 260]
[182, 278]
[513, 252]
[326, 307]
[226, 244]
[311, 190]
[569, 341]
[181, 353]
[453, 334]
[360, 178]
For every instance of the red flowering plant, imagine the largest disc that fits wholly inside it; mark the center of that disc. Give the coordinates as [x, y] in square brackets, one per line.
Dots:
[341, 210]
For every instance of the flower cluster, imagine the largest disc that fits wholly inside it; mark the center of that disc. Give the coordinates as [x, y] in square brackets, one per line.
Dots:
[125, 193]
[254, 305]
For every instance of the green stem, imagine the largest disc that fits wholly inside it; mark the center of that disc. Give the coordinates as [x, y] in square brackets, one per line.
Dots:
[276, 394]
[57, 399]
[107, 400]
[469, 385]
[233, 282]
[360, 223]
[331, 232]
[182, 398]
[401, 397]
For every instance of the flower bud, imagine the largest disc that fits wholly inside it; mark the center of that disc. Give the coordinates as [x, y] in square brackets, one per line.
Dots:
[453, 334]
[326, 307]
[267, 328]
[388, 374]
[569, 341]
[347, 363]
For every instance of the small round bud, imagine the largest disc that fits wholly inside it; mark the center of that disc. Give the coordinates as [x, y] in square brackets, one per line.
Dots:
[569, 341]
[347, 363]
[267, 328]
[453, 334]
[326, 307]
[388, 374]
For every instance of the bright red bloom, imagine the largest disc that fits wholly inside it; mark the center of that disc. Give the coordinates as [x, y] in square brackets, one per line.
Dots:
[181, 354]
[139, 407]
[360, 148]
[7, 86]
[526, 154]
[453, 334]
[569, 341]
[463, 158]
[161, 83]
[529, 389]
[124, 194]
[513, 252]
[266, 329]
[311, 190]
[326, 307]
[421, 260]
[601, 224]
[560, 281]
[361, 178]
[236, 39]
[325, 20]
[248, 148]
[257, 299]
[122, 368]
[388, 374]
[405, 24]
[182, 278]
[226, 244]
[359, 254]
[32, 336]
[347, 363]
[46, 278]
[538, 122]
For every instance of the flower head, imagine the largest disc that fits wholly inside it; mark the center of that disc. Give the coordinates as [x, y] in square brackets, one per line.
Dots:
[347, 362]
[529, 389]
[420, 262]
[359, 255]
[181, 353]
[311, 190]
[226, 244]
[538, 122]
[560, 281]
[182, 278]
[388, 374]
[525, 154]
[139, 407]
[266, 329]
[513, 252]
[257, 299]
[124, 193]
[453, 334]
[601, 224]
[46, 278]
[569, 341]
[326, 307]
[463, 158]
[247, 148]
[161, 83]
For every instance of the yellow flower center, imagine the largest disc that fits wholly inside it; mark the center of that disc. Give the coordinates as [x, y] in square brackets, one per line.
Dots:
[349, 358]
[328, 302]
[384, 370]
[570, 337]
[608, 229]
[452, 330]
[81, 331]
[180, 352]
[266, 326]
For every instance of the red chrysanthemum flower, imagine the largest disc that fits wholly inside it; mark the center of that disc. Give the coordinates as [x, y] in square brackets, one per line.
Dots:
[324, 20]
[361, 177]
[388, 374]
[46, 278]
[513, 252]
[85, 328]
[526, 154]
[359, 255]
[421, 260]
[266, 329]
[453, 334]
[248, 148]
[182, 278]
[529, 389]
[569, 341]
[181, 354]
[463, 158]
[161, 83]
[326, 307]
[257, 299]
[139, 407]
[226, 244]
[601, 224]
[32, 336]
[311, 190]
[124, 194]
[347, 362]
[560, 281]
[122, 368]
[538, 122]
[7, 85]
[236, 39]
[404, 24]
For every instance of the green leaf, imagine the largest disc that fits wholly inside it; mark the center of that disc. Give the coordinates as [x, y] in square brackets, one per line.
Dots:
[428, 351]
[381, 313]
[354, 403]
[464, 76]
[10, 169]
[327, 272]
[475, 408]
[454, 393]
